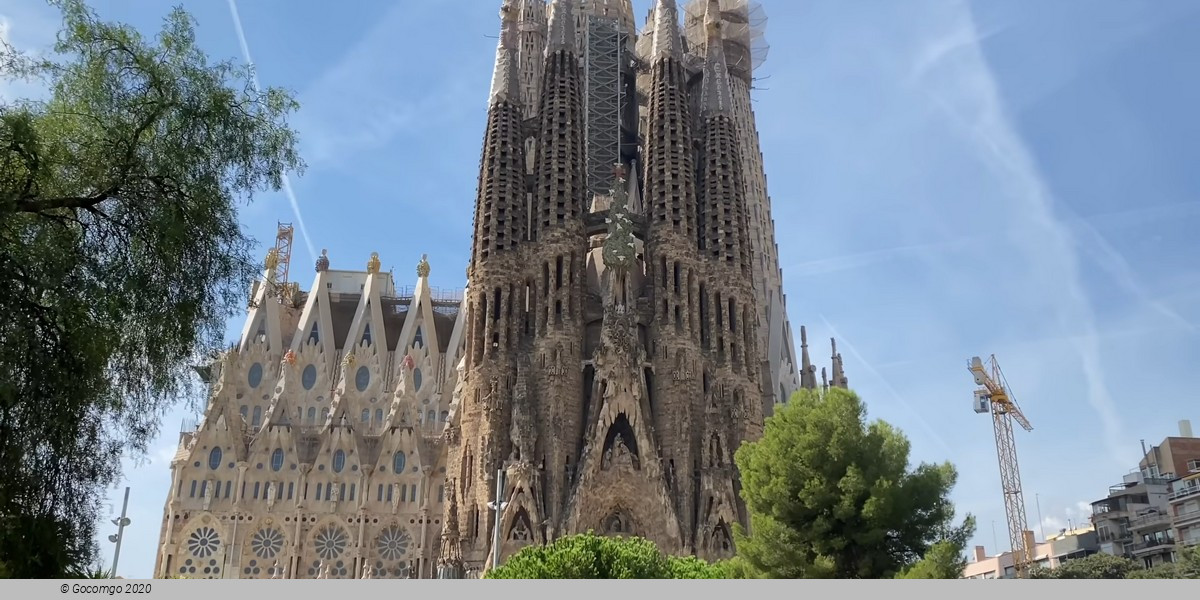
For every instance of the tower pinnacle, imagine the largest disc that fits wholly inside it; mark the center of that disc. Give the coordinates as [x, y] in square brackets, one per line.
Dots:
[506, 78]
[562, 26]
[715, 96]
[666, 31]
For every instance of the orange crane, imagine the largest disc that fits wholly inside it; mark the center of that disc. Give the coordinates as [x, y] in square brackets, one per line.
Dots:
[993, 396]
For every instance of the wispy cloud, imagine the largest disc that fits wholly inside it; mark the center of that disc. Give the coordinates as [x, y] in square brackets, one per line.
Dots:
[287, 183]
[911, 410]
[957, 78]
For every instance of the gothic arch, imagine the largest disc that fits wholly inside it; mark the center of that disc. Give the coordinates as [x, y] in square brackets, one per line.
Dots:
[620, 445]
[202, 548]
[329, 545]
[618, 522]
[264, 551]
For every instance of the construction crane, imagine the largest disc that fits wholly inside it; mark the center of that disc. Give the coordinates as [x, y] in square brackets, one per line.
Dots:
[994, 396]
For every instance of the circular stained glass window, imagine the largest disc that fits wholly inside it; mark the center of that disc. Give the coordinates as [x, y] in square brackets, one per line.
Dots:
[362, 378]
[255, 376]
[266, 543]
[393, 543]
[309, 377]
[330, 542]
[203, 542]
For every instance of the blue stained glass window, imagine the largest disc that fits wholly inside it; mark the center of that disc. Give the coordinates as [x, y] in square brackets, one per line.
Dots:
[416, 379]
[254, 377]
[362, 378]
[214, 458]
[309, 377]
[339, 461]
[398, 462]
[277, 459]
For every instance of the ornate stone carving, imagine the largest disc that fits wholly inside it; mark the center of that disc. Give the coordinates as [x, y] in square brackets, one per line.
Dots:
[423, 266]
[373, 264]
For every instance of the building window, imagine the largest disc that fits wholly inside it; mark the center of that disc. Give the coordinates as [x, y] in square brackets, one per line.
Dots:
[379, 415]
[257, 417]
[309, 377]
[412, 492]
[256, 484]
[366, 415]
[228, 488]
[245, 411]
[203, 488]
[339, 461]
[319, 491]
[441, 494]
[398, 460]
[277, 459]
[193, 494]
[389, 490]
[291, 487]
[214, 458]
[312, 415]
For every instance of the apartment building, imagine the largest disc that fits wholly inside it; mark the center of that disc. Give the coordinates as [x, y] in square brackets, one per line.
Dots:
[1184, 502]
[1051, 553]
[1113, 516]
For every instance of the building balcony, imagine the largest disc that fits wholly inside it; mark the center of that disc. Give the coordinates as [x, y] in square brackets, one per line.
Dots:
[1184, 519]
[1152, 520]
[1185, 492]
[1156, 547]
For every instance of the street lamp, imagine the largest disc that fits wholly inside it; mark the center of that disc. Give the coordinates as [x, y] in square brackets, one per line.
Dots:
[121, 524]
[497, 506]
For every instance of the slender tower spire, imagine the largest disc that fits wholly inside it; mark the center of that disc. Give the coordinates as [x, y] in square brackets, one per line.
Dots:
[561, 189]
[532, 43]
[500, 203]
[808, 375]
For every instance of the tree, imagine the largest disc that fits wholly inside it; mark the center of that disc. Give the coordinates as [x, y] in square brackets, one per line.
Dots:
[589, 556]
[831, 496]
[121, 257]
[1096, 566]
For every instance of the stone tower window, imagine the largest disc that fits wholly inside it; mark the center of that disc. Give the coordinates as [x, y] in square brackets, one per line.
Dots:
[277, 459]
[214, 458]
[339, 461]
[398, 460]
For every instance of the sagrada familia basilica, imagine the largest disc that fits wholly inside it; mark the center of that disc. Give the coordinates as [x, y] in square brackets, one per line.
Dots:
[622, 332]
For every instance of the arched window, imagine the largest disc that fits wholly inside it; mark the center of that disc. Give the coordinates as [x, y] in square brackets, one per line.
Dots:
[214, 458]
[277, 459]
[430, 417]
[245, 411]
[443, 416]
[379, 415]
[324, 413]
[366, 415]
[398, 462]
[257, 417]
[312, 415]
[418, 341]
[339, 461]
[417, 378]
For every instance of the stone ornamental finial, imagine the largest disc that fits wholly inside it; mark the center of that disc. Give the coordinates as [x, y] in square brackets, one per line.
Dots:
[290, 357]
[323, 261]
[373, 264]
[349, 360]
[272, 259]
[423, 266]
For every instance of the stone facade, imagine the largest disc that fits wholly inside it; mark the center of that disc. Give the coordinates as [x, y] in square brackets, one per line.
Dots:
[321, 450]
[606, 360]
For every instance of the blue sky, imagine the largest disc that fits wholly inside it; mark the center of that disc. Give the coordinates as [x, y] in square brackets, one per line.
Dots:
[949, 178]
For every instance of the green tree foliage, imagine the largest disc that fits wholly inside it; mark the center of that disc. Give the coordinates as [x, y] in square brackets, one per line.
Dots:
[589, 556]
[1106, 566]
[831, 496]
[1096, 566]
[121, 257]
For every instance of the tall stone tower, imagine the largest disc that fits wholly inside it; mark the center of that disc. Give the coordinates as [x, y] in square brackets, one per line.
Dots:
[615, 356]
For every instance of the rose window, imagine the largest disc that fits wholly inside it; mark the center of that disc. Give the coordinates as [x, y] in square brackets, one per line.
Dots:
[203, 542]
[267, 543]
[393, 543]
[330, 542]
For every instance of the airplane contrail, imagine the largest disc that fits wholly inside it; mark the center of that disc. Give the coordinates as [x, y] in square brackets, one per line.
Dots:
[287, 183]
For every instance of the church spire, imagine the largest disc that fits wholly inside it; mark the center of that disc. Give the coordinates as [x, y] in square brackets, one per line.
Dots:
[839, 373]
[500, 195]
[450, 560]
[562, 26]
[808, 376]
[506, 77]
[667, 41]
[715, 95]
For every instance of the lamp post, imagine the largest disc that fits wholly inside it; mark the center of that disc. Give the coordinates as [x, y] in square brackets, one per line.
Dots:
[497, 506]
[116, 538]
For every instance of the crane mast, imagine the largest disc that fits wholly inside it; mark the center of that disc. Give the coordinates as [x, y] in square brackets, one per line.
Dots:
[993, 396]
